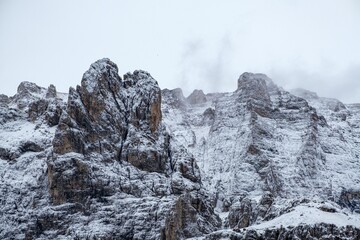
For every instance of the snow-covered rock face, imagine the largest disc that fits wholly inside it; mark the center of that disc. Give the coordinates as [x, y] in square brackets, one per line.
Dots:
[117, 158]
[27, 126]
[112, 120]
[262, 140]
[112, 170]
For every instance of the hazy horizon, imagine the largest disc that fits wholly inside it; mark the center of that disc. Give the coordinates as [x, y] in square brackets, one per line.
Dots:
[193, 45]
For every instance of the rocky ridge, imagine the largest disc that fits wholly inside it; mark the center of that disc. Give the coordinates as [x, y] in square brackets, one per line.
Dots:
[107, 168]
[118, 158]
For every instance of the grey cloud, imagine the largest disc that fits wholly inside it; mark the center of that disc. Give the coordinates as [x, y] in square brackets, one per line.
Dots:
[216, 73]
[191, 49]
[226, 40]
[343, 85]
[200, 71]
[187, 62]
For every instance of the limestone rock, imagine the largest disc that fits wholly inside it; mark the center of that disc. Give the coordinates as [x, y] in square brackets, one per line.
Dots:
[192, 216]
[241, 214]
[37, 108]
[4, 100]
[53, 112]
[350, 199]
[264, 206]
[51, 92]
[26, 93]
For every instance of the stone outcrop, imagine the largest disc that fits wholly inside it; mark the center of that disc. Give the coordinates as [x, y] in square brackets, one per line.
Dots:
[51, 92]
[241, 214]
[192, 216]
[245, 212]
[4, 100]
[350, 199]
[254, 91]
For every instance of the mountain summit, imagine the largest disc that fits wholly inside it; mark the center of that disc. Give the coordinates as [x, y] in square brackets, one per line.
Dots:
[119, 158]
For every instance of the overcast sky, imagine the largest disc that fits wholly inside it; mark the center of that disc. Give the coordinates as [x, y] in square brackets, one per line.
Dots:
[202, 44]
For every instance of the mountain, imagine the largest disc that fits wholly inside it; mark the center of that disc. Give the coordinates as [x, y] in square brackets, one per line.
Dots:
[119, 158]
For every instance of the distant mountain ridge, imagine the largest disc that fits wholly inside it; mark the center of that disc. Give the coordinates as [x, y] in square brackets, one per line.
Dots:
[119, 158]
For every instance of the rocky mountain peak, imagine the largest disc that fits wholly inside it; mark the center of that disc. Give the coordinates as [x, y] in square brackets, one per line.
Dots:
[175, 97]
[196, 97]
[130, 79]
[51, 92]
[101, 76]
[28, 87]
[253, 79]
[121, 159]
[39, 104]
[178, 93]
[255, 85]
[102, 65]
[27, 92]
[104, 104]
[113, 122]
[255, 90]
[3, 100]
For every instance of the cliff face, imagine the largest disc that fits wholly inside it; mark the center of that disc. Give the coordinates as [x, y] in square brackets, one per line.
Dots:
[264, 152]
[107, 168]
[117, 158]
